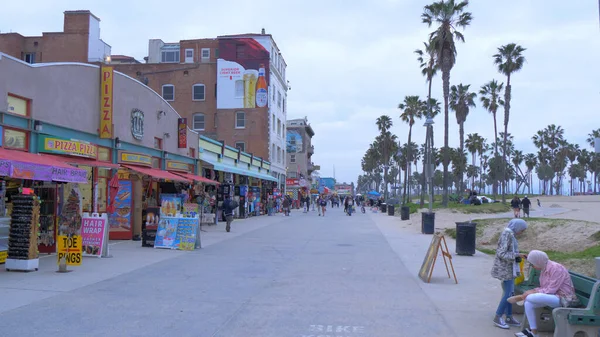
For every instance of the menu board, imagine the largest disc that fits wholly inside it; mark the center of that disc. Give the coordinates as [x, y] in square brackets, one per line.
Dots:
[166, 233]
[170, 205]
[92, 235]
[120, 219]
[186, 233]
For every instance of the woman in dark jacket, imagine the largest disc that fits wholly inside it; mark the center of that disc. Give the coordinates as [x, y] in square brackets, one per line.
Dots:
[515, 204]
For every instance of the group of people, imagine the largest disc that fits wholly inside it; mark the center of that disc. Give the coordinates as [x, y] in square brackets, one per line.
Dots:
[516, 204]
[555, 290]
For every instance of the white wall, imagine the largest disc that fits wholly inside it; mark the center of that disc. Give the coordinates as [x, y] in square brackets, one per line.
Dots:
[154, 46]
[97, 49]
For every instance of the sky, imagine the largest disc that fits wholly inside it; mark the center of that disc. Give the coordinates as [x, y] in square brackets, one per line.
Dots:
[350, 62]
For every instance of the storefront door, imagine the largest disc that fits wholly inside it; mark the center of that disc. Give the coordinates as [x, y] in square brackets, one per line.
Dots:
[48, 221]
[120, 220]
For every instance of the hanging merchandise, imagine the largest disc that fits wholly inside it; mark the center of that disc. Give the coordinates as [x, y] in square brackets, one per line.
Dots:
[70, 217]
[23, 235]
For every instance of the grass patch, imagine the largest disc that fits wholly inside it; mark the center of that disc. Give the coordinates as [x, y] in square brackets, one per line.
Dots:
[588, 254]
[472, 209]
[487, 251]
[451, 232]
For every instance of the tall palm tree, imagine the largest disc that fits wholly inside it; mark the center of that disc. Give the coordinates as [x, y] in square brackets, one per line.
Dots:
[412, 109]
[592, 136]
[474, 143]
[490, 97]
[448, 16]
[572, 154]
[509, 60]
[434, 109]
[517, 160]
[530, 162]
[384, 124]
[461, 100]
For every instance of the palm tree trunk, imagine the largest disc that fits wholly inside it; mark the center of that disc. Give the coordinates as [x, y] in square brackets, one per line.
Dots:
[446, 85]
[424, 181]
[408, 162]
[506, 118]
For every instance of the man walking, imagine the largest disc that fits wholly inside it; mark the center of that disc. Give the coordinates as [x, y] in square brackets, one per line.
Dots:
[228, 207]
[526, 203]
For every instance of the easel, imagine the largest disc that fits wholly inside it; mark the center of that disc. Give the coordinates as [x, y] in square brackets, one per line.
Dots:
[431, 256]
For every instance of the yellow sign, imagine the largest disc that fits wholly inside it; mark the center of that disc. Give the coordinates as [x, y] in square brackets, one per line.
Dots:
[135, 158]
[123, 174]
[70, 248]
[106, 102]
[177, 166]
[69, 147]
[3, 256]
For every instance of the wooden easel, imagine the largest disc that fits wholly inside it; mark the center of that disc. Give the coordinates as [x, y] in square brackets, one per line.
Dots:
[431, 256]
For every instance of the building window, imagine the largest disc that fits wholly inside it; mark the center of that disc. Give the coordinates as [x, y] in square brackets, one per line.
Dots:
[292, 158]
[283, 105]
[168, 92]
[198, 92]
[189, 56]
[240, 146]
[273, 123]
[217, 52]
[198, 124]
[15, 139]
[104, 154]
[157, 143]
[240, 120]
[278, 127]
[273, 154]
[170, 56]
[239, 89]
[156, 163]
[205, 53]
[279, 98]
[273, 90]
[278, 154]
[18, 105]
[29, 58]
[292, 175]
[192, 152]
[240, 51]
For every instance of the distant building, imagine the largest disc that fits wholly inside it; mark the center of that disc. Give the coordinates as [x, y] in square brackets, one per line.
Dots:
[344, 189]
[78, 42]
[123, 59]
[299, 150]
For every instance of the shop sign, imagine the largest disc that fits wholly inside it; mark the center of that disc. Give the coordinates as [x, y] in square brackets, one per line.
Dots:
[182, 133]
[177, 166]
[70, 147]
[292, 181]
[92, 235]
[135, 159]
[123, 174]
[137, 124]
[70, 248]
[106, 102]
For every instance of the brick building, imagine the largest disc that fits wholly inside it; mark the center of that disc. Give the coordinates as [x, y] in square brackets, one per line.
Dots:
[78, 42]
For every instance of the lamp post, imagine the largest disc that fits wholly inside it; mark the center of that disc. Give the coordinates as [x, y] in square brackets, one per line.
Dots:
[428, 219]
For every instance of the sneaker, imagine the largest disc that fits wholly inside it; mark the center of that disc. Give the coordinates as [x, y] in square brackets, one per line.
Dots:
[499, 322]
[512, 321]
[525, 333]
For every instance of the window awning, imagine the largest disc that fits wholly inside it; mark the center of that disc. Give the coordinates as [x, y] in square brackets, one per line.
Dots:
[158, 174]
[83, 161]
[197, 178]
[33, 166]
[237, 170]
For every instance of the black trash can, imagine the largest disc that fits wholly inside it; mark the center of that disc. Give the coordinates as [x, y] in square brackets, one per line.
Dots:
[404, 213]
[383, 208]
[465, 238]
[390, 210]
[427, 223]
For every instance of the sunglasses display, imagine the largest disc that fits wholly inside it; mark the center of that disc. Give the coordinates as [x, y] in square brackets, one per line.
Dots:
[23, 233]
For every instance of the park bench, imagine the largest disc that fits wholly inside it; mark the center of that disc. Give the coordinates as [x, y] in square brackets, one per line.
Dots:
[567, 322]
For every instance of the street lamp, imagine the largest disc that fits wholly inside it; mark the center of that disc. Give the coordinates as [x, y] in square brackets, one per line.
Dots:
[428, 219]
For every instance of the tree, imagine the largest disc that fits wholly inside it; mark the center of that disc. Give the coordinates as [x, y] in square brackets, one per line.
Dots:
[530, 162]
[490, 98]
[449, 16]
[509, 60]
[412, 108]
[592, 136]
[572, 151]
[384, 124]
[461, 100]
[474, 145]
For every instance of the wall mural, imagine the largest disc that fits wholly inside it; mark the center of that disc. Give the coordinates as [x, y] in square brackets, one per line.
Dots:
[293, 141]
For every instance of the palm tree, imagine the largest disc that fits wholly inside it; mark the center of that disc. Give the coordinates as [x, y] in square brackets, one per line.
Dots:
[384, 124]
[509, 60]
[572, 154]
[428, 66]
[413, 108]
[434, 109]
[592, 136]
[517, 160]
[450, 16]
[461, 100]
[489, 94]
[474, 143]
[530, 162]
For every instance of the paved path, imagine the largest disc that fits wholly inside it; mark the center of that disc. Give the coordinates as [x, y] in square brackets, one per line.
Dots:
[298, 276]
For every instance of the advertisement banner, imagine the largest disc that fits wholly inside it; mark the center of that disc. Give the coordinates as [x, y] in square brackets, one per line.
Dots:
[29, 171]
[92, 235]
[69, 147]
[166, 233]
[186, 233]
[135, 158]
[170, 205]
[120, 219]
[292, 181]
[182, 133]
[106, 102]
[69, 175]
[242, 74]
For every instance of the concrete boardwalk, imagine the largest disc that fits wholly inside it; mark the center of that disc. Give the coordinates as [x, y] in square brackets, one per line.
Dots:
[295, 276]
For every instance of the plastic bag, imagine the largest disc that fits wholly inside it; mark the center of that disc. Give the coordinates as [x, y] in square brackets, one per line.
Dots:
[521, 276]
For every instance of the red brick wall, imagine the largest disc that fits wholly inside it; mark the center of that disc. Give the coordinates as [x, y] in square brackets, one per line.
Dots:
[12, 44]
[255, 134]
[77, 23]
[62, 47]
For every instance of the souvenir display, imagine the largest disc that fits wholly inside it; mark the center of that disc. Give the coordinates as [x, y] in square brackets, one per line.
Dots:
[23, 234]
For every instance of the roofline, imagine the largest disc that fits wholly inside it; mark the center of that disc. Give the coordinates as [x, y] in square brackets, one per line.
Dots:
[85, 11]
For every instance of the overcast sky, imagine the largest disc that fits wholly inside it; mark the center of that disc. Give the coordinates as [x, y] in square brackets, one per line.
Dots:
[351, 61]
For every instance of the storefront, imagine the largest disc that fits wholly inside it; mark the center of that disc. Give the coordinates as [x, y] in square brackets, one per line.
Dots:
[53, 113]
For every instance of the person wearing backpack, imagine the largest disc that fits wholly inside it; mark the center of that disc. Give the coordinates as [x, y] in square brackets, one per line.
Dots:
[323, 205]
[228, 207]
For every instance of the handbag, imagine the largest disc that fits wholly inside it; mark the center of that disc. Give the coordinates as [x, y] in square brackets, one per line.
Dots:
[573, 302]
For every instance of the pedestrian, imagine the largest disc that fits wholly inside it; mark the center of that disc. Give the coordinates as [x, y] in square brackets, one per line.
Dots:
[555, 290]
[228, 207]
[526, 203]
[506, 269]
[346, 201]
[286, 206]
[515, 205]
[323, 205]
[318, 202]
[270, 206]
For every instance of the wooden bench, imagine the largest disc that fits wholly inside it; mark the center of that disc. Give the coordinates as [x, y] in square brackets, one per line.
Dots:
[567, 322]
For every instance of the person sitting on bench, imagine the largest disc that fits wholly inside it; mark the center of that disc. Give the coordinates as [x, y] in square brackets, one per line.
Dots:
[555, 289]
